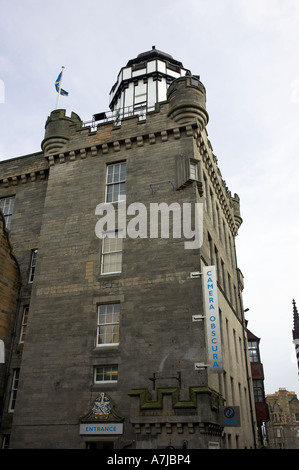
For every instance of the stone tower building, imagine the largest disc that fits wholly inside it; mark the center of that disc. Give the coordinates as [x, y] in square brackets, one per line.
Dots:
[131, 331]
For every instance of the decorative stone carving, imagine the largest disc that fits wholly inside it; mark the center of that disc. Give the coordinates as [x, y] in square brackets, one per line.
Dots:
[102, 409]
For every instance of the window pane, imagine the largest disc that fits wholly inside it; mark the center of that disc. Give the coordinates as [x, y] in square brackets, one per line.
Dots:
[193, 171]
[123, 172]
[32, 265]
[111, 254]
[24, 324]
[115, 184]
[108, 324]
[110, 174]
[111, 263]
[122, 191]
[113, 244]
[109, 194]
[116, 173]
[106, 373]
[108, 334]
[115, 261]
[14, 390]
[253, 351]
[7, 206]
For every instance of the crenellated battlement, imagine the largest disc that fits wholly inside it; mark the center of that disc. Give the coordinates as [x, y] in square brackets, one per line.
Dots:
[58, 130]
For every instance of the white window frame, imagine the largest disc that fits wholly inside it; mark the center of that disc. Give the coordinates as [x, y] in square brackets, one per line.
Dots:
[193, 170]
[278, 432]
[14, 390]
[109, 253]
[24, 324]
[7, 207]
[109, 374]
[115, 182]
[258, 390]
[5, 441]
[253, 350]
[108, 324]
[32, 265]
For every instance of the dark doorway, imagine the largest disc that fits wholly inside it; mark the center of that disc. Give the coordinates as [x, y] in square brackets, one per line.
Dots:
[100, 445]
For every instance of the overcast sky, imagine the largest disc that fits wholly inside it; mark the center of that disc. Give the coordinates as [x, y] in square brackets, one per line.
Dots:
[246, 53]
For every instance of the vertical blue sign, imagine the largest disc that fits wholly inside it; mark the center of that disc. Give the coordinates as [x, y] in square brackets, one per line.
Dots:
[212, 320]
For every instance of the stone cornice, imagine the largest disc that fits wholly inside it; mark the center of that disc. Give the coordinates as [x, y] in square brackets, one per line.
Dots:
[123, 143]
[23, 177]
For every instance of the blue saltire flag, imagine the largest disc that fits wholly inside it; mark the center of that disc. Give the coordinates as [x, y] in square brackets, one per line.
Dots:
[62, 92]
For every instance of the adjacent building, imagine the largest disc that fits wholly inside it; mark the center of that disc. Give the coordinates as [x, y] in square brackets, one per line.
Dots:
[295, 332]
[283, 426]
[257, 373]
[130, 331]
[9, 294]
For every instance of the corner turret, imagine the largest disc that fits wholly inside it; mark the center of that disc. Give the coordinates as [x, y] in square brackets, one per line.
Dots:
[187, 97]
[237, 213]
[58, 129]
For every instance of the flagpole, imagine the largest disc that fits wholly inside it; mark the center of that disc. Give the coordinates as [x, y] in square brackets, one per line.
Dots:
[59, 87]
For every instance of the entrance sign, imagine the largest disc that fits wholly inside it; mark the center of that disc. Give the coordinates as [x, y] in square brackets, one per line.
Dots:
[106, 429]
[212, 320]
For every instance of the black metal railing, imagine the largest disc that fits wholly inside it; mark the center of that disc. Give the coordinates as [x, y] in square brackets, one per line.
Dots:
[117, 115]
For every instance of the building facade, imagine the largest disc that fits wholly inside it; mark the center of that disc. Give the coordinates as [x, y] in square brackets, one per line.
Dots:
[257, 373]
[9, 293]
[283, 426]
[120, 228]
